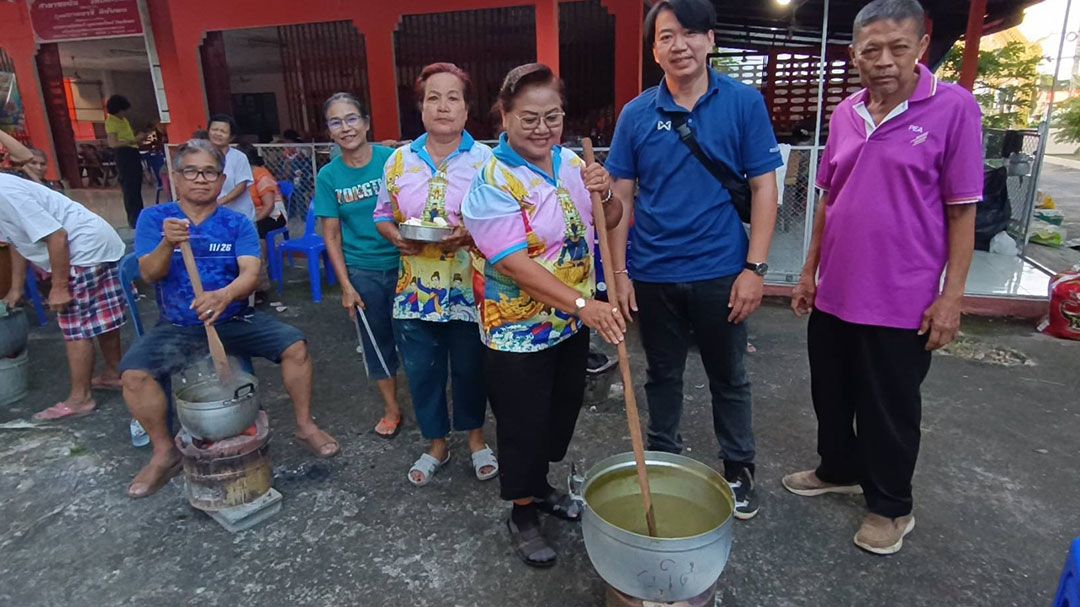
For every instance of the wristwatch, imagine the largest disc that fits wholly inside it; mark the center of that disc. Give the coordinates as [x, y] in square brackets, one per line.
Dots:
[761, 269]
[579, 303]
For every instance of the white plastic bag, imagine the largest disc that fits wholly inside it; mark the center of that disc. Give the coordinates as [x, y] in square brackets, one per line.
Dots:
[1003, 244]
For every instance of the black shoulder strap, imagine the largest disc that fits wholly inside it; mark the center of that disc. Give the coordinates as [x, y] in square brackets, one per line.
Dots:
[719, 170]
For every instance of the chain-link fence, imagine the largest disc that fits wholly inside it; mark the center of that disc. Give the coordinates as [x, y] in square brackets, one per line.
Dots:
[1017, 155]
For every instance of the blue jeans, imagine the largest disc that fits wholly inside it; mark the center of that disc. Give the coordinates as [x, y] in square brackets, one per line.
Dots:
[377, 288]
[669, 312]
[429, 349]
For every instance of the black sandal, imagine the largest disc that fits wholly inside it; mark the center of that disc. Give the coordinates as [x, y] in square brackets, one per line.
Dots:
[561, 505]
[530, 546]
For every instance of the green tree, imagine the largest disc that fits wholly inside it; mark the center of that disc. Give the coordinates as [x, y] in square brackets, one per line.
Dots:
[1006, 85]
[1067, 120]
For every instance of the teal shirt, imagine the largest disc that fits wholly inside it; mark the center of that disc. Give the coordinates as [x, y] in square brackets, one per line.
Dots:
[349, 195]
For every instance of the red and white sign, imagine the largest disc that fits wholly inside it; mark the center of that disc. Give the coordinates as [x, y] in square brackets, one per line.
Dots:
[60, 20]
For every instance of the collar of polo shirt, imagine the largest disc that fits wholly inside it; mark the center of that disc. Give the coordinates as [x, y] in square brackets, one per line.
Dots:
[665, 102]
[509, 157]
[419, 147]
[925, 89]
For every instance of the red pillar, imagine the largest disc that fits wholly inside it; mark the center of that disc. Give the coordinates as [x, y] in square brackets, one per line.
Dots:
[378, 31]
[547, 33]
[63, 136]
[970, 66]
[17, 40]
[216, 73]
[178, 53]
[629, 15]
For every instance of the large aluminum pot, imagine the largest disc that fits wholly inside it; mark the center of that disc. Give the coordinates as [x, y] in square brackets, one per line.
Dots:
[211, 412]
[693, 505]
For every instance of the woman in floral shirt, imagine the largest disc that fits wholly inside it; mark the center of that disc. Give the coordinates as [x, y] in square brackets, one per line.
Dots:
[434, 308]
[530, 215]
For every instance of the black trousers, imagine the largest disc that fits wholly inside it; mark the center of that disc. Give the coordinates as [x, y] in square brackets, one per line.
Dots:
[130, 170]
[669, 312]
[536, 398]
[865, 383]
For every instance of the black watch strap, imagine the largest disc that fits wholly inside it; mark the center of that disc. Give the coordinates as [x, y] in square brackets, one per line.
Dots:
[761, 269]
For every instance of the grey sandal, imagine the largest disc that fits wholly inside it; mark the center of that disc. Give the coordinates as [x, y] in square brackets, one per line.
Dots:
[561, 505]
[530, 545]
[485, 457]
[426, 466]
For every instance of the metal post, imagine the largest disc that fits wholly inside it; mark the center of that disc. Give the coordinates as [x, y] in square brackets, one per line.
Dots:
[811, 191]
[1044, 130]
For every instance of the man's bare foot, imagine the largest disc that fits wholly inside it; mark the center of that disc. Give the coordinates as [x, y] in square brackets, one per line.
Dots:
[477, 444]
[107, 381]
[321, 444]
[439, 450]
[154, 475]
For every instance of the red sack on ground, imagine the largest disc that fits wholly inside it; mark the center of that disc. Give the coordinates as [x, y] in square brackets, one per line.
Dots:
[1064, 319]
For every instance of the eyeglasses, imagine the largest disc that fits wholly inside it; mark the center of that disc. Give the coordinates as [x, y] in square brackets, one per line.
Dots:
[352, 121]
[192, 173]
[531, 122]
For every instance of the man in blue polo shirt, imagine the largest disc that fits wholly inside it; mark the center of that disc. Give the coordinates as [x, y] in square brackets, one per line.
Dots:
[692, 267]
[226, 250]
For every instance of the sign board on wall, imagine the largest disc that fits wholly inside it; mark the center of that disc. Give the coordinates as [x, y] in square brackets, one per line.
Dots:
[61, 20]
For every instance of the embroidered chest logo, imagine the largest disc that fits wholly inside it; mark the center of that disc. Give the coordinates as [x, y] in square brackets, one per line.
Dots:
[663, 125]
[219, 247]
[921, 135]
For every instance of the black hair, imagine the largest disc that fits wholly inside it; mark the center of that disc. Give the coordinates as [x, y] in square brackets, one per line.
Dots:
[892, 10]
[346, 98]
[697, 16]
[252, 153]
[117, 104]
[227, 119]
[524, 76]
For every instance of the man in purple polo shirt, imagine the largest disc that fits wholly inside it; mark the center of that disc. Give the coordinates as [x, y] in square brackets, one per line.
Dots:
[900, 176]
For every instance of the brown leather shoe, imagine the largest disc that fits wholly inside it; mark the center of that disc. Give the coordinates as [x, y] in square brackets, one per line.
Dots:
[882, 535]
[807, 484]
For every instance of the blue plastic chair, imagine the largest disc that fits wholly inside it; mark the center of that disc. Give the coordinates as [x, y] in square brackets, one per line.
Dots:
[33, 293]
[1068, 594]
[272, 257]
[312, 246]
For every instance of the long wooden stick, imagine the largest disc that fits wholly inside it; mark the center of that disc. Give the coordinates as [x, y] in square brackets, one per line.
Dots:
[632, 418]
[217, 349]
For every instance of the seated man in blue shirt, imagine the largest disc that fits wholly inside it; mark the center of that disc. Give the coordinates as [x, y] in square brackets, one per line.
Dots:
[226, 250]
[694, 270]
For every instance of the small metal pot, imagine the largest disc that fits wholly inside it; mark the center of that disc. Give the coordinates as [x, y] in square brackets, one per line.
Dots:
[660, 569]
[206, 415]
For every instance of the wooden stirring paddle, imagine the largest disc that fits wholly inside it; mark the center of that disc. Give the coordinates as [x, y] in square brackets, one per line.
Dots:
[217, 349]
[600, 223]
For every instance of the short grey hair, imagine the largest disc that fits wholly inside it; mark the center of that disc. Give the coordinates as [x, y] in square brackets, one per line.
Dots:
[198, 145]
[891, 10]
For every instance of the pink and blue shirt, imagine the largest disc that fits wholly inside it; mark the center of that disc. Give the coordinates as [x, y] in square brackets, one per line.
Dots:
[434, 285]
[514, 206]
[885, 243]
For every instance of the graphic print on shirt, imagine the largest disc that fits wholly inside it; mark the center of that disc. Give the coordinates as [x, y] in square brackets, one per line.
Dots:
[511, 319]
[431, 284]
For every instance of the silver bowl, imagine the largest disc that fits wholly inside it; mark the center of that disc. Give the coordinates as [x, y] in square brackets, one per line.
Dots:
[693, 505]
[432, 234]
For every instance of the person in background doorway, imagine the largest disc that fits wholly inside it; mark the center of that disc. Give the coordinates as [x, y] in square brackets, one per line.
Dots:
[238, 178]
[56, 233]
[366, 264]
[900, 177]
[269, 204]
[125, 146]
[438, 337]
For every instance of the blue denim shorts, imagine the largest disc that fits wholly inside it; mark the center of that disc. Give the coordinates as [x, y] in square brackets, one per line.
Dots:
[168, 348]
[377, 289]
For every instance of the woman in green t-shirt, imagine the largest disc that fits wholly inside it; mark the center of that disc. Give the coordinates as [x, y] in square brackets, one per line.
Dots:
[365, 263]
